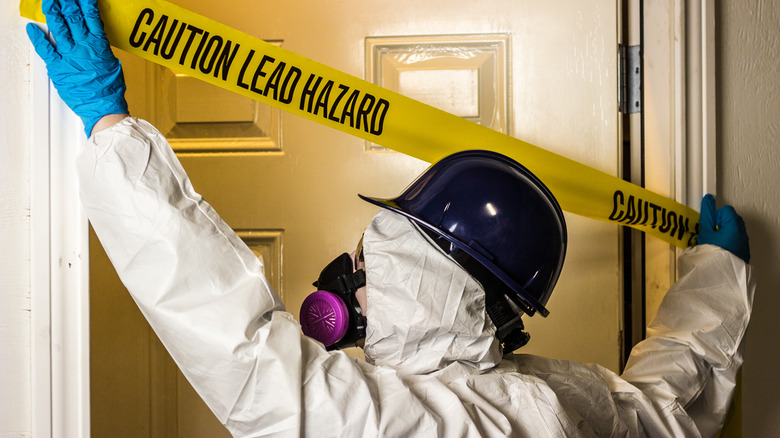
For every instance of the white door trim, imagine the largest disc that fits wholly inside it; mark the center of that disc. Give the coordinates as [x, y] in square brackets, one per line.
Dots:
[697, 154]
[679, 113]
[682, 68]
[40, 230]
[59, 267]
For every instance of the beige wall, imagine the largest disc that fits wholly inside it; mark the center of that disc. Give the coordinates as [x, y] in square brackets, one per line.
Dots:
[14, 226]
[749, 177]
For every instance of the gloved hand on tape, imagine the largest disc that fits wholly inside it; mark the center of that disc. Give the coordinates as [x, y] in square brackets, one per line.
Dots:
[723, 227]
[85, 72]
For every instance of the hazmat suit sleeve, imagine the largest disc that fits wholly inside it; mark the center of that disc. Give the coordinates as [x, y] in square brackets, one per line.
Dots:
[693, 349]
[203, 292]
[199, 286]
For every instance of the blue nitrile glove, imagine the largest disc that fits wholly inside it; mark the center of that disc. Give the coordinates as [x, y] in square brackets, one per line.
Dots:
[85, 72]
[723, 227]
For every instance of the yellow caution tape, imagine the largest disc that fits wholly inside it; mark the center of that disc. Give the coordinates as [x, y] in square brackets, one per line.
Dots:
[202, 48]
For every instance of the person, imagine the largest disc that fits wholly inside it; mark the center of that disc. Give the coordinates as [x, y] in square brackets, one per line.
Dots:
[434, 364]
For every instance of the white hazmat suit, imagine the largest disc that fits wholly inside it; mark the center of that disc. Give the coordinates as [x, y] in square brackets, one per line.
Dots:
[434, 366]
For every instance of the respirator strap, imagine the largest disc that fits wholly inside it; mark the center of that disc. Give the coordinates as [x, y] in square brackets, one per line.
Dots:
[351, 282]
[509, 324]
[338, 276]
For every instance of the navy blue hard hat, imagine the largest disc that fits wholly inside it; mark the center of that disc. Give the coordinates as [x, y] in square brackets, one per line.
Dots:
[494, 217]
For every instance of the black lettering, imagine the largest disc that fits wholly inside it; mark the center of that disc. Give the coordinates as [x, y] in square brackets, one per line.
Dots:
[259, 73]
[331, 114]
[136, 42]
[196, 56]
[308, 93]
[674, 220]
[638, 217]
[288, 90]
[645, 216]
[377, 123]
[206, 61]
[349, 109]
[156, 35]
[668, 216]
[693, 237]
[663, 227]
[616, 214]
[193, 31]
[322, 99]
[630, 211]
[273, 81]
[168, 49]
[364, 110]
[226, 60]
[655, 215]
[240, 82]
[683, 227]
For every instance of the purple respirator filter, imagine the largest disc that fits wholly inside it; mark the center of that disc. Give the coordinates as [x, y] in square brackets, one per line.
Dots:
[324, 317]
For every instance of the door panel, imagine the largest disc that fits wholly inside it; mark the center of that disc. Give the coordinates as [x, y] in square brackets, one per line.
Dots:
[299, 185]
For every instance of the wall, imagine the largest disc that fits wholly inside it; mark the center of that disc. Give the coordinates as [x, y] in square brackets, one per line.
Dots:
[749, 178]
[14, 226]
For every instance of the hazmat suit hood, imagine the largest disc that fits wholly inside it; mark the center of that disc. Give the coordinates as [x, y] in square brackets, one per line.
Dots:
[424, 311]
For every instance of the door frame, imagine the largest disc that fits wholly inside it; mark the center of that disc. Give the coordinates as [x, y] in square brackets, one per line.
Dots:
[679, 116]
[59, 266]
[680, 81]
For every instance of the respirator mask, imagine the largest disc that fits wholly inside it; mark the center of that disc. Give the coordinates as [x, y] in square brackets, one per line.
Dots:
[332, 314]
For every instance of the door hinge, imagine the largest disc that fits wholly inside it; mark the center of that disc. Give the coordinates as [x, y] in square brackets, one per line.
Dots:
[630, 74]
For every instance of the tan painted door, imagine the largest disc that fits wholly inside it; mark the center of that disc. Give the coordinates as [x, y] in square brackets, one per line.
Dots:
[542, 71]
